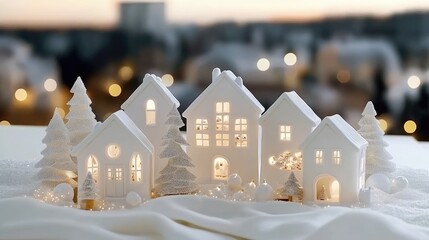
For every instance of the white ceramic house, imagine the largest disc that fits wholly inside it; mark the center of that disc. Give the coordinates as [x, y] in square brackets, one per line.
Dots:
[223, 130]
[285, 126]
[119, 156]
[333, 163]
[148, 107]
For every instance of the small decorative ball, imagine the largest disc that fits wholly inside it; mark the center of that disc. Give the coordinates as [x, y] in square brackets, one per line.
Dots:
[133, 199]
[218, 192]
[64, 192]
[234, 182]
[240, 196]
[399, 183]
[263, 192]
[379, 181]
[250, 188]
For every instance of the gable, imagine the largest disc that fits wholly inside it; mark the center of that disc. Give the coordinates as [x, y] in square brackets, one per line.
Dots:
[151, 83]
[225, 86]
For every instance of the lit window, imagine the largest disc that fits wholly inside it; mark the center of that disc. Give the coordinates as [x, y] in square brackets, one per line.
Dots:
[336, 157]
[136, 168]
[222, 116]
[150, 112]
[240, 124]
[201, 124]
[241, 140]
[271, 161]
[220, 168]
[109, 174]
[113, 151]
[118, 174]
[285, 133]
[92, 166]
[202, 139]
[319, 157]
[222, 140]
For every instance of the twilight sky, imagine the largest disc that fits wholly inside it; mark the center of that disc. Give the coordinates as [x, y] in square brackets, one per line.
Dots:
[105, 13]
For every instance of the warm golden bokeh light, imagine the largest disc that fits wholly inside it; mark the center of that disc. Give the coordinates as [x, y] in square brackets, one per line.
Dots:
[343, 76]
[167, 79]
[410, 126]
[115, 90]
[50, 85]
[413, 82]
[21, 94]
[263, 64]
[61, 112]
[4, 123]
[125, 73]
[290, 59]
[383, 124]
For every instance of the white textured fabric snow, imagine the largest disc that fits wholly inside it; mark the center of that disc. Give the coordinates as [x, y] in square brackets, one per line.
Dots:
[191, 217]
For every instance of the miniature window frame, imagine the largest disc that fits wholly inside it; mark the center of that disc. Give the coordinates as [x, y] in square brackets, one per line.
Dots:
[92, 166]
[222, 139]
[150, 112]
[136, 167]
[113, 151]
[319, 157]
[201, 124]
[222, 116]
[202, 140]
[336, 157]
[285, 132]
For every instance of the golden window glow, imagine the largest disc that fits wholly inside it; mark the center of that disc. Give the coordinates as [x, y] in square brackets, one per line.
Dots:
[336, 157]
[150, 112]
[220, 168]
[240, 124]
[136, 168]
[118, 174]
[271, 161]
[222, 140]
[222, 116]
[201, 124]
[202, 139]
[319, 157]
[240, 140]
[113, 151]
[109, 174]
[285, 133]
[92, 167]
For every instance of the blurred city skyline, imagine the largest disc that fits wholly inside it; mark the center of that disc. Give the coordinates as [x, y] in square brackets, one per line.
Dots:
[106, 13]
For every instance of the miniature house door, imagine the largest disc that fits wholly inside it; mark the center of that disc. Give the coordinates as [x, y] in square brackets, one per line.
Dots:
[327, 188]
[220, 168]
[115, 181]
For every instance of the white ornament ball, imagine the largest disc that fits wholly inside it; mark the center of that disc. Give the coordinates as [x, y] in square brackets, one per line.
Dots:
[263, 192]
[250, 188]
[399, 183]
[379, 181]
[234, 182]
[64, 191]
[240, 196]
[133, 199]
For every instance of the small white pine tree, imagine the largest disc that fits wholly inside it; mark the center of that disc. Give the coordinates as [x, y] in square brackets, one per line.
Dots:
[377, 158]
[291, 188]
[175, 177]
[88, 190]
[81, 119]
[56, 164]
[322, 193]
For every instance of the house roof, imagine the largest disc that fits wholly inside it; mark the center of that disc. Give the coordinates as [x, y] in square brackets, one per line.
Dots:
[237, 83]
[340, 126]
[122, 118]
[151, 79]
[294, 99]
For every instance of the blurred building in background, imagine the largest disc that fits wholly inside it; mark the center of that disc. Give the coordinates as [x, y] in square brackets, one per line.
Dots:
[335, 64]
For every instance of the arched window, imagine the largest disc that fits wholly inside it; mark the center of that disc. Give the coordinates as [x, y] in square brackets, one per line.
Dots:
[150, 112]
[327, 188]
[136, 168]
[221, 168]
[92, 167]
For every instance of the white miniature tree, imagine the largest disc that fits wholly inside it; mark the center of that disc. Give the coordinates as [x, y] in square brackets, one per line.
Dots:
[378, 160]
[322, 193]
[56, 164]
[175, 177]
[81, 119]
[88, 190]
[291, 188]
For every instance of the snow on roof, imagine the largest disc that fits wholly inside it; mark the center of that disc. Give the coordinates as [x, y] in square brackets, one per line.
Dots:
[122, 118]
[339, 125]
[294, 99]
[157, 82]
[237, 83]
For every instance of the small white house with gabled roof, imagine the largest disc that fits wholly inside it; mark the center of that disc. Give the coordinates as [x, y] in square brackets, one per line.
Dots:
[285, 125]
[119, 156]
[223, 130]
[333, 163]
[148, 107]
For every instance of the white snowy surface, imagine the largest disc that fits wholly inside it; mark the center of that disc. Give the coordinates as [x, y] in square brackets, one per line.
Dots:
[403, 215]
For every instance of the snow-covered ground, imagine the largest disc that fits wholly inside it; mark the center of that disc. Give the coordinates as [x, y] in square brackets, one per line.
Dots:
[403, 215]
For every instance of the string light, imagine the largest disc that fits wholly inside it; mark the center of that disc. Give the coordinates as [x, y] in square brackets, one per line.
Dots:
[50, 85]
[413, 82]
[167, 79]
[410, 126]
[115, 90]
[125, 73]
[290, 59]
[263, 64]
[21, 94]
[343, 76]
